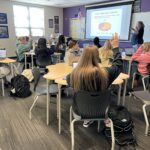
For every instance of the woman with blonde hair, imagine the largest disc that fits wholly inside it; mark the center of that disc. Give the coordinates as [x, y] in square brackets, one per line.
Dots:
[106, 53]
[89, 76]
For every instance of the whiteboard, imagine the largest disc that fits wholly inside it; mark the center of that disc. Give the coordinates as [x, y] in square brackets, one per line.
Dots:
[145, 17]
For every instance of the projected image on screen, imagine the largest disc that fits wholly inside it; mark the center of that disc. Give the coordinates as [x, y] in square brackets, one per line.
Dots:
[105, 26]
[103, 22]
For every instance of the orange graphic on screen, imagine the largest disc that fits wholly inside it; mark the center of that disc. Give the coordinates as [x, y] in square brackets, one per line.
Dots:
[105, 26]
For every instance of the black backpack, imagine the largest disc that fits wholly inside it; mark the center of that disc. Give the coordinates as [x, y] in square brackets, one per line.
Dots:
[123, 126]
[20, 87]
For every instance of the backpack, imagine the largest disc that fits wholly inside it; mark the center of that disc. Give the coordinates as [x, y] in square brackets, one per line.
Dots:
[123, 126]
[20, 87]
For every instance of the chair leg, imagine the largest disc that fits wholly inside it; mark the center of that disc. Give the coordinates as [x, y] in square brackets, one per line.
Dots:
[70, 117]
[57, 106]
[72, 134]
[146, 119]
[112, 135]
[98, 127]
[30, 111]
[3, 89]
[130, 96]
[143, 82]
[134, 74]
[59, 109]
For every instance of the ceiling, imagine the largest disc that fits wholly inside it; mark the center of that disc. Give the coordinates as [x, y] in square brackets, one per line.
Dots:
[61, 3]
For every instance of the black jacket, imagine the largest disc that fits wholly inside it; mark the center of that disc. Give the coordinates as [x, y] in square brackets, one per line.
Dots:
[43, 56]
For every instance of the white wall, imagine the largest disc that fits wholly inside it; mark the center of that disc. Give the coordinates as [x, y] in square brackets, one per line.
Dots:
[7, 7]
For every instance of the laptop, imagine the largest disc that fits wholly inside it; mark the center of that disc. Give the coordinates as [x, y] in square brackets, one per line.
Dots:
[2, 53]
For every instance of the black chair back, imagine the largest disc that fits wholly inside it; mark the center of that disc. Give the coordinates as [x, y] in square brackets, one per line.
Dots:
[43, 57]
[91, 104]
[36, 75]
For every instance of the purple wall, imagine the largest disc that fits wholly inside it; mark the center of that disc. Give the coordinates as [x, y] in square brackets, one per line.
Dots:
[145, 5]
[72, 12]
[68, 13]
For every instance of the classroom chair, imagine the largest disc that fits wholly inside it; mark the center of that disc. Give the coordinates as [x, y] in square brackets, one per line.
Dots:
[90, 106]
[144, 97]
[143, 77]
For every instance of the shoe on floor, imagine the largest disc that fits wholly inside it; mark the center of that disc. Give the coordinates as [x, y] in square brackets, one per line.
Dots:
[87, 123]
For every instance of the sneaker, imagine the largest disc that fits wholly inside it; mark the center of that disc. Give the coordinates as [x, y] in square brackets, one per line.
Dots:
[87, 123]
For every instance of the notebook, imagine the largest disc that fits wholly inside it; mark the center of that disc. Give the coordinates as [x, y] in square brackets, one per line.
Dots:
[2, 53]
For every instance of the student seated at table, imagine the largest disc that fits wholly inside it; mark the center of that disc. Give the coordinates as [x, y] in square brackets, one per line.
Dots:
[142, 56]
[89, 76]
[72, 53]
[68, 40]
[42, 53]
[61, 46]
[96, 42]
[23, 46]
[106, 54]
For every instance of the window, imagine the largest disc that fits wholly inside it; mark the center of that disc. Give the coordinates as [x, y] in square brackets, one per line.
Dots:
[28, 20]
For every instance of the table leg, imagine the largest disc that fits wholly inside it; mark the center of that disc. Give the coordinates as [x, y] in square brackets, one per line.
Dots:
[59, 108]
[119, 95]
[124, 92]
[47, 103]
[129, 69]
[25, 61]
[125, 84]
[32, 61]
[12, 71]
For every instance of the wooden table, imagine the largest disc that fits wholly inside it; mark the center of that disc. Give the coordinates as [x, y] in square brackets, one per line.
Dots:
[55, 71]
[30, 53]
[9, 61]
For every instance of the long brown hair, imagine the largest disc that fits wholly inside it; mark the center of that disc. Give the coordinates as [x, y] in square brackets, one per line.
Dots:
[84, 76]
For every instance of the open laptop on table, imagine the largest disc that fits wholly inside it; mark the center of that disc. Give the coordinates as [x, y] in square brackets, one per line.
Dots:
[2, 54]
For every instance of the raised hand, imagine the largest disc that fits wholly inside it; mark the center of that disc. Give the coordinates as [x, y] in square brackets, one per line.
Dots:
[115, 40]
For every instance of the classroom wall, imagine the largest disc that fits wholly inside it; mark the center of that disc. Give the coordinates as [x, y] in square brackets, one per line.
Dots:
[72, 11]
[6, 6]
